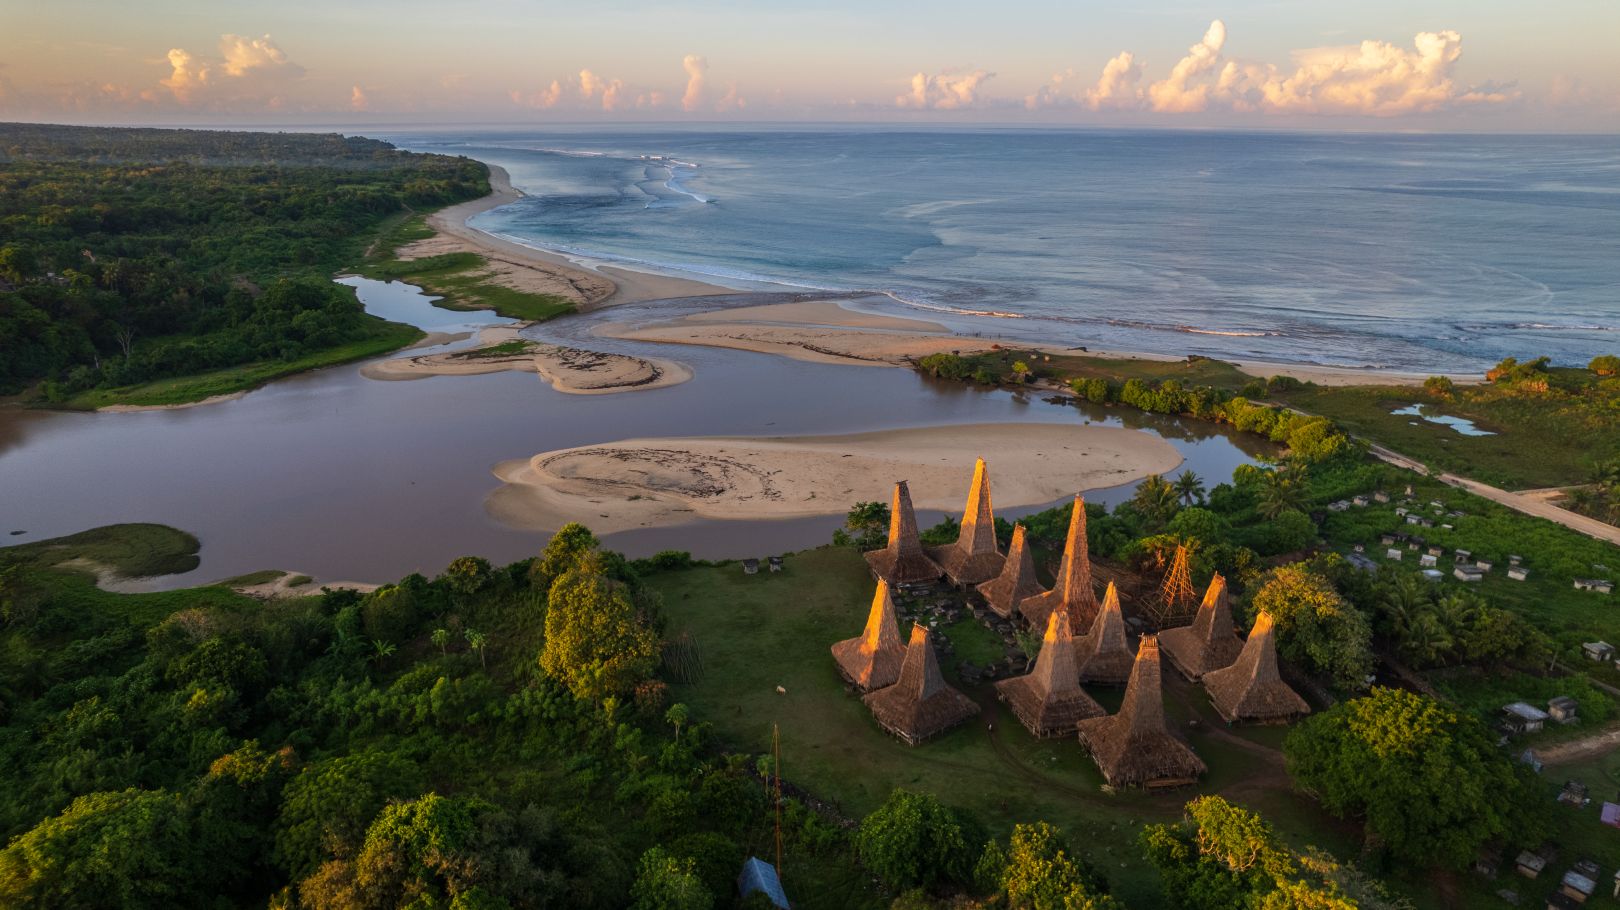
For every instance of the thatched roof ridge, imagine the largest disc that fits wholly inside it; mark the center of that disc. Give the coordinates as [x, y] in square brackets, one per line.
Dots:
[920, 705]
[1104, 655]
[903, 560]
[1072, 590]
[975, 557]
[1251, 689]
[1135, 748]
[1048, 699]
[1017, 580]
[1211, 642]
[872, 659]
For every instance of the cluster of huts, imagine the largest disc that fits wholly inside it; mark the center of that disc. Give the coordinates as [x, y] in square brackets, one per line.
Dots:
[1084, 642]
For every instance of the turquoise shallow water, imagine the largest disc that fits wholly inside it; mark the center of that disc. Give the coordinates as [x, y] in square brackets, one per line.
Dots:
[1393, 251]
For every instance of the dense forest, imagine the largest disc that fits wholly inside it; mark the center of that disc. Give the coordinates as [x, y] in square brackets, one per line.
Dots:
[128, 255]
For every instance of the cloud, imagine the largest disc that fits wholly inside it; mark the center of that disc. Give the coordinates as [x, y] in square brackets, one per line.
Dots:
[696, 68]
[944, 92]
[358, 100]
[731, 101]
[1179, 93]
[247, 69]
[1373, 78]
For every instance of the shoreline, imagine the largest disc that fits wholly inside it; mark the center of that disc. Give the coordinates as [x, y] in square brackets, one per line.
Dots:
[569, 370]
[670, 481]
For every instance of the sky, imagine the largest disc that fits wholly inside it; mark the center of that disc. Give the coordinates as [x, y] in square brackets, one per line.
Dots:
[1479, 65]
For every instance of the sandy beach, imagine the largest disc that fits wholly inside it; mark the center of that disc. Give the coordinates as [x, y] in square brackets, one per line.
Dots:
[514, 264]
[570, 370]
[640, 483]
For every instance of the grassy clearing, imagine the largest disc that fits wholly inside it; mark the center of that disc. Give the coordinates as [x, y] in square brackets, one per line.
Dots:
[129, 550]
[763, 631]
[263, 576]
[459, 279]
[390, 336]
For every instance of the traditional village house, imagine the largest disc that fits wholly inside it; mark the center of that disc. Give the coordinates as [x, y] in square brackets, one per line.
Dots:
[1103, 655]
[1017, 580]
[974, 558]
[920, 705]
[1251, 690]
[903, 560]
[1072, 591]
[1049, 700]
[1135, 748]
[1211, 642]
[872, 660]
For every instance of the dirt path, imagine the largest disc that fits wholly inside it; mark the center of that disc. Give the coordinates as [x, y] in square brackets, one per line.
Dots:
[1589, 746]
[1531, 503]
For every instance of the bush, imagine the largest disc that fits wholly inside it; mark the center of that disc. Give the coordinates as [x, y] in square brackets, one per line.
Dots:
[911, 841]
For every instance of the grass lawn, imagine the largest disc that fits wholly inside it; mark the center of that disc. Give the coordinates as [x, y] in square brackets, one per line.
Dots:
[459, 278]
[763, 631]
[1063, 367]
[1538, 441]
[129, 550]
[389, 336]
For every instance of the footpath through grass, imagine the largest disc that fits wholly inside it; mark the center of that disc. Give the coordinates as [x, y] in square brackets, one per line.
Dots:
[762, 631]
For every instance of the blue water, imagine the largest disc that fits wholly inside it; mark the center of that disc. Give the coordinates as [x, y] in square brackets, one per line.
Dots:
[1393, 251]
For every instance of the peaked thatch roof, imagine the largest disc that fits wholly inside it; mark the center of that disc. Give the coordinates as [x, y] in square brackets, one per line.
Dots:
[1072, 591]
[872, 659]
[1211, 642]
[975, 557]
[1103, 655]
[1251, 689]
[1017, 580]
[920, 705]
[1049, 699]
[903, 560]
[1134, 748]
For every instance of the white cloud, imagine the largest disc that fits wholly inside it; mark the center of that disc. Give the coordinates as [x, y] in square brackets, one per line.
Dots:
[358, 100]
[248, 69]
[1182, 91]
[696, 70]
[731, 101]
[944, 92]
[1116, 89]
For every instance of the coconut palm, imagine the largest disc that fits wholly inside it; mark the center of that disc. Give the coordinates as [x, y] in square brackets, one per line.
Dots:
[1283, 491]
[1155, 498]
[1401, 601]
[1190, 487]
[1427, 641]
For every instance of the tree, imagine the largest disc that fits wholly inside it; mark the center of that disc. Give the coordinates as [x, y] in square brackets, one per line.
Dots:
[1155, 500]
[416, 853]
[129, 849]
[1429, 783]
[866, 527]
[1316, 626]
[1282, 490]
[326, 809]
[1190, 487]
[911, 841]
[597, 644]
[477, 641]
[1020, 370]
[1439, 386]
[467, 575]
[1605, 365]
[1199, 525]
[1039, 870]
[665, 882]
[561, 554]
[676, 716]
[441, 637]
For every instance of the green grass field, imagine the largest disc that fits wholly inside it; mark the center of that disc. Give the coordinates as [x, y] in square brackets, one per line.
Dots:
[128, 550]
[763, 631]
[459, 279]
[390, 336]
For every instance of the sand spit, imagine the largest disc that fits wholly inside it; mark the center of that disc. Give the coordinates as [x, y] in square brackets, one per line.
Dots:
[572, 370]
[525, 268]
[138, 408]
[294, 584]
[640, 483]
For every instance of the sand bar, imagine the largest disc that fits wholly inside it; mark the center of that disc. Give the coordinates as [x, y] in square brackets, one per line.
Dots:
[572, 370]
[639, 483]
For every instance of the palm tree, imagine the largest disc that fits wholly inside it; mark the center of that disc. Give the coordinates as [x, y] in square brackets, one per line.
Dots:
[1401, 601]
[1427, 642]
[1190, 487]
[1156, 499]
[476, 641]
[1283, 491]
[441, 637]
[381, 650]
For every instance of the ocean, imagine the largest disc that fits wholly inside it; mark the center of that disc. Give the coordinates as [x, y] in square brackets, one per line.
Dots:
[1401, 252]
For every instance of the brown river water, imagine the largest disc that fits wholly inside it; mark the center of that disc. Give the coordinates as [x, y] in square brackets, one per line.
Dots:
[341, 477]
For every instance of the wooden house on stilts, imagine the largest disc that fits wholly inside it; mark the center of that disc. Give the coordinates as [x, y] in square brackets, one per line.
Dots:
[1211, 642]
[1017, 581]
[1251, 690]
[1103, 655]
[1048, 699]
[903, 560]
[975, 558]
[872, 659]
[1072, 591]
[920, 705]
[1135, 748]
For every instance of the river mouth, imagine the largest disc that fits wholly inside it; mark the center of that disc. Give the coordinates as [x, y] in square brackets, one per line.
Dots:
[346, 478]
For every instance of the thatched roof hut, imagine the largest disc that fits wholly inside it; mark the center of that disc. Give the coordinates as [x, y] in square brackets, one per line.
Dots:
[1251, 690]
[974, 558]
[903, 560]
[920, 705]
[1211, 642]
[1072, 591]
[1103, 655]
[1017, 580]
[872, 659]
[1049, 699]
[1135, 748]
